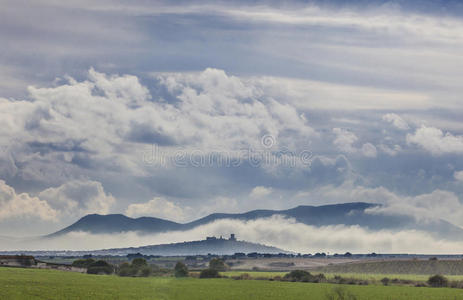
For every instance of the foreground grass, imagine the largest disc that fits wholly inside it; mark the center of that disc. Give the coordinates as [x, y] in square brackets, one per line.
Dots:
[16, 283]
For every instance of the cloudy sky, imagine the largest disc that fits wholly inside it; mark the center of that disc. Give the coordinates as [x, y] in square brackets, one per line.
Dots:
[180, 109]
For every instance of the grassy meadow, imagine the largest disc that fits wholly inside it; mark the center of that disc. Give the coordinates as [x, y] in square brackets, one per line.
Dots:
[364, 276]
[424, 267]
[18, 283]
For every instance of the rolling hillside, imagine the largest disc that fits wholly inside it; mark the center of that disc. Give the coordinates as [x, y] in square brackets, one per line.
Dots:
[336, 214]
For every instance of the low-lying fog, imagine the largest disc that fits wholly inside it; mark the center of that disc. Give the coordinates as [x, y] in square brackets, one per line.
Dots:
[276, 231]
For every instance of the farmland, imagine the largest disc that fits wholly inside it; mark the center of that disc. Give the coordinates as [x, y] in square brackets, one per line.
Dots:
[424, 267]
[454, 281]
[372, 277]
[18, 283]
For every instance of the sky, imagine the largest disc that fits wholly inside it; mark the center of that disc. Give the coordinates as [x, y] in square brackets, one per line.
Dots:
[180, 109]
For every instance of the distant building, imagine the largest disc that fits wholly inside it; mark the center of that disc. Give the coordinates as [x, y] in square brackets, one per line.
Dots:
[17, 260]
[221, 238]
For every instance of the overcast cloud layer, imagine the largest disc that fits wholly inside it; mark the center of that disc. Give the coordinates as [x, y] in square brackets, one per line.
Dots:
[180, 110]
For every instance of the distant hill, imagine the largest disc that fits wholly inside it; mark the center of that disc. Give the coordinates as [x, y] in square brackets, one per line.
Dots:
[336, 214]
[204, 247]
[115, 223]
[211, 245]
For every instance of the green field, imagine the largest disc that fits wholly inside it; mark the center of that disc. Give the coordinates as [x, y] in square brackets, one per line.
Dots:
[254, 274]
[363, 276]
[377, 277]
[17, 283]
[424, 267]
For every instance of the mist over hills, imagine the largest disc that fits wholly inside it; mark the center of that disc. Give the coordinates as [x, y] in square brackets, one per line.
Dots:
[337, 214]
[210, 245]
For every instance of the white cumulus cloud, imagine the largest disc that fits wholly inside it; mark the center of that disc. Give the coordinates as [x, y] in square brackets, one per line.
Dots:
[396, 120]
[260, 191]
[77, 198]
[13, 205]
[369, 150]
[436, 141]
[392, 151]
[344, 140]
[71, 200]
[158, 207]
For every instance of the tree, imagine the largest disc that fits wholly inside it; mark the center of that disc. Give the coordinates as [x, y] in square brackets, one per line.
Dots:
[181, 270]
[146, 271]
[438, 281]
[100, 267]
[139, 262]
[126, 269]
[217, 264]
[83, 263]
[298, 275]
[385, 281]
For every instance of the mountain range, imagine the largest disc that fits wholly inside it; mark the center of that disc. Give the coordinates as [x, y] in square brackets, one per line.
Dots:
[337, 214]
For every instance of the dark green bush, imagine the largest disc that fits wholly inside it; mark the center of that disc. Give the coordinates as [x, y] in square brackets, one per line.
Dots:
[385, 281]
[209, 273]
[217, 264]
[181, 270]
[100, 267]
[139, 262]
[347, 280]
[138, 268]
[127, 271]
[319, 278]
[83, 263]
[304, 276]
[100, 263]
[124, 265]
[145, 271]
[100, 270]
[297, 275]
[438, 281]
